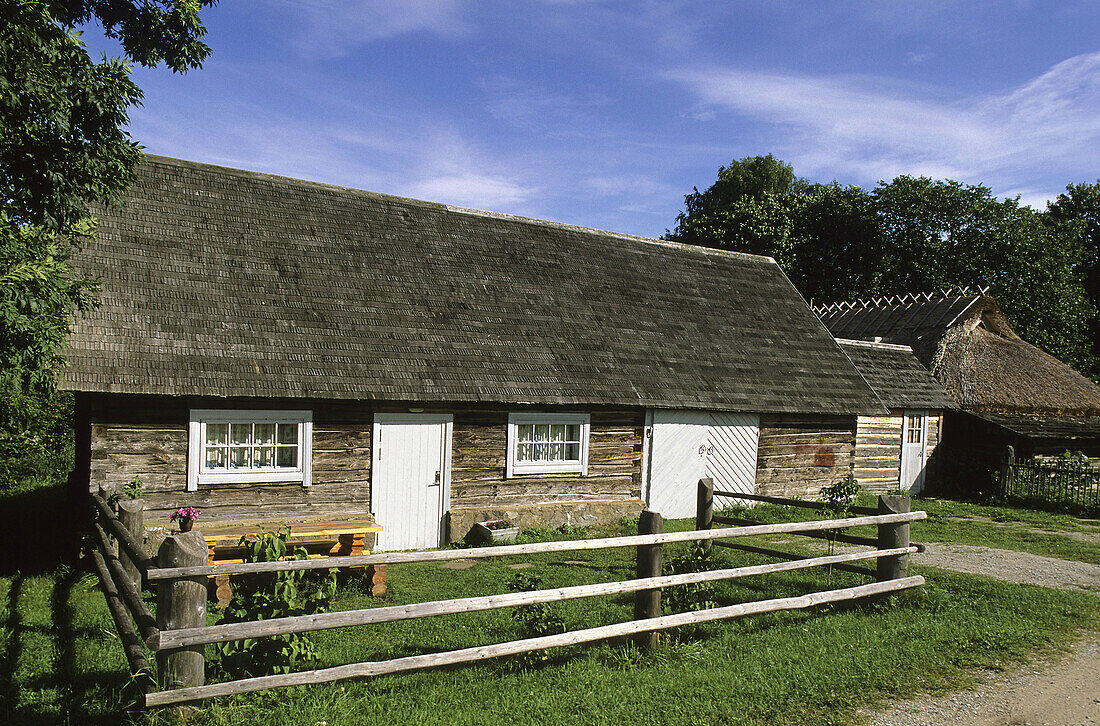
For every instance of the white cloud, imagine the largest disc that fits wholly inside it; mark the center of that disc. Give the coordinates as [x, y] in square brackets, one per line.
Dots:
[471, 190]
[869, 129]
[336, 27]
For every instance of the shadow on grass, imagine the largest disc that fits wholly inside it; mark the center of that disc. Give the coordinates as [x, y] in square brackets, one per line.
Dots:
[40, 530]
[58, 691]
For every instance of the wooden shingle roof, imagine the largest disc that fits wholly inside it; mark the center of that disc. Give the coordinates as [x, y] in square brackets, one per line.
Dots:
[231, 283]
[896, 376]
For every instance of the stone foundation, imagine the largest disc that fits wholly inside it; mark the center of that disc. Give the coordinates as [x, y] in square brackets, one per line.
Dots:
[550, 515]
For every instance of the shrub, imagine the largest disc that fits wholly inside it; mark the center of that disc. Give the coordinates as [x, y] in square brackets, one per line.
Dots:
[265, 596]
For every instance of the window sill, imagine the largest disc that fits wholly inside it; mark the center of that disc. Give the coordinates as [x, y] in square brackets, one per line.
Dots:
[252, 477]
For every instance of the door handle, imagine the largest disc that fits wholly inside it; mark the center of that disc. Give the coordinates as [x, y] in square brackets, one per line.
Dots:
[438, 474]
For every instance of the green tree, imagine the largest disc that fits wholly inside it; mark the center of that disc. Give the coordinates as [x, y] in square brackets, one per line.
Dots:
[751, 208]
[63, 148]
[1080, 207]
[912, 234]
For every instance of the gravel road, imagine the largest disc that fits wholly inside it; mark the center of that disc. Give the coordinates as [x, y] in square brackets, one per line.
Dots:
[1063, 691]
[1012, 566]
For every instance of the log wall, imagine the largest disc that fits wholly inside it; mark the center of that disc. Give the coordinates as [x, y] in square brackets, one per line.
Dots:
[146, 437]
[479, 454]
[799, 454]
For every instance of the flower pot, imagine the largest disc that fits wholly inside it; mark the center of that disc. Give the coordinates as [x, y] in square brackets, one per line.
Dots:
[491, 531]
[186, 525]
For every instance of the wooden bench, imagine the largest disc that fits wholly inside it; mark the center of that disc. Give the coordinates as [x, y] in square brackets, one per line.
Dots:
[319, 537]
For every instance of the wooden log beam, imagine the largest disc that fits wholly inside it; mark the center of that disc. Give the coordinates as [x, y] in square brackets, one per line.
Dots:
[169, 639]
[146, 623]
[324, 563]
[790, 556]
[804, 503]
[838, 536]
[515, 647]
[133, 548]
[131, 643]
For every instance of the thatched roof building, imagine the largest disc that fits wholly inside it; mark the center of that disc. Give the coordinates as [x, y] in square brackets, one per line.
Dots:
[967, 342]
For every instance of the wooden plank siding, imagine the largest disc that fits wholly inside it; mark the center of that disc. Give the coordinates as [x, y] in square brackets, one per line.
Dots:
[799, 454]
[877, 465]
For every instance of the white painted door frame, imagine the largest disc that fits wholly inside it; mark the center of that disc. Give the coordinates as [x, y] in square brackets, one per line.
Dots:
[381, 488]
[914, 454]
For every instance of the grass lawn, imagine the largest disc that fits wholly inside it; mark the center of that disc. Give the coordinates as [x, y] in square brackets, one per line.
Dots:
[61, 663]
[1064, 536]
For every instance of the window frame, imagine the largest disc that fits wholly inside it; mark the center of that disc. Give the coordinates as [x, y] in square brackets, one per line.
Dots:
[518, 468]
[197, 475]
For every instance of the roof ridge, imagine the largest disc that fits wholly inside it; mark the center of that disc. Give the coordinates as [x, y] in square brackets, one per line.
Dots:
[874, 344]
[881, 301]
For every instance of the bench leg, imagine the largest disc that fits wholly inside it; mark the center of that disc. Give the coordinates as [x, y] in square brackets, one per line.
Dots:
[222, 590]
[376, 576]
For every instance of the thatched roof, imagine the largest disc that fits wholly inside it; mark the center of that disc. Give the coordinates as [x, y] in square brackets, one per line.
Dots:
[971, 349]
[1046, 426]
[223, 282]
[896, 376]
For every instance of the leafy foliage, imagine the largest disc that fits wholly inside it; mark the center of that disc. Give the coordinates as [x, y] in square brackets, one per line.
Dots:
[64, 148]
[697, 596]
[265, 596]
[839, 497]
[536, 619]
[915, 234]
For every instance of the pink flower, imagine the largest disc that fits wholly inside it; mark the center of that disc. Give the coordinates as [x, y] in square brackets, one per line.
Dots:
[184, 513]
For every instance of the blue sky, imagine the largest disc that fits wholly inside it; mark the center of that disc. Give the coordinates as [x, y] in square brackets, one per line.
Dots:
[605, 114]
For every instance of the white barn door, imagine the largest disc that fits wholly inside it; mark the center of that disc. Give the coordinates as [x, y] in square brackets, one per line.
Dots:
[411, 477]
[685, 446]
[914, 446]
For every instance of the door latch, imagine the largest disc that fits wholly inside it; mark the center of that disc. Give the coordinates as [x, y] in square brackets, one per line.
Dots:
[438, 474]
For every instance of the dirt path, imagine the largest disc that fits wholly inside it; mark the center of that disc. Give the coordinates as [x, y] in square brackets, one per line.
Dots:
[1062, 691]
[1012, 566]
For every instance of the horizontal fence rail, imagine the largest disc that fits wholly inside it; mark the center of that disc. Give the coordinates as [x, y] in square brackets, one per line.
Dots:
[385, 558]
[178, 635]
[804, 503]
[516, 647]
[371, 616]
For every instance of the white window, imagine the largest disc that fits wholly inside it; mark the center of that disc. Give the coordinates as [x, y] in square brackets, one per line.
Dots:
[240, 447]
[548, 443]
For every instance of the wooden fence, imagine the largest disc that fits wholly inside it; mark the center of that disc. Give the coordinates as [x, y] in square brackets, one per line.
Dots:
[179, 632]
[1058, 484]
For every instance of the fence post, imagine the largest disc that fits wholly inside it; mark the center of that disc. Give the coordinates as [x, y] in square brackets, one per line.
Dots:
[181, 603]
[1008, 459]
[891, 536]
[131, 514]
[647, 603]
[704, 510]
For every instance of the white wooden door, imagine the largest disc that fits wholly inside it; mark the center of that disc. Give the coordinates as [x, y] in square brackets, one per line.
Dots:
[685, 446]
[914, 444]
[410, 482]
